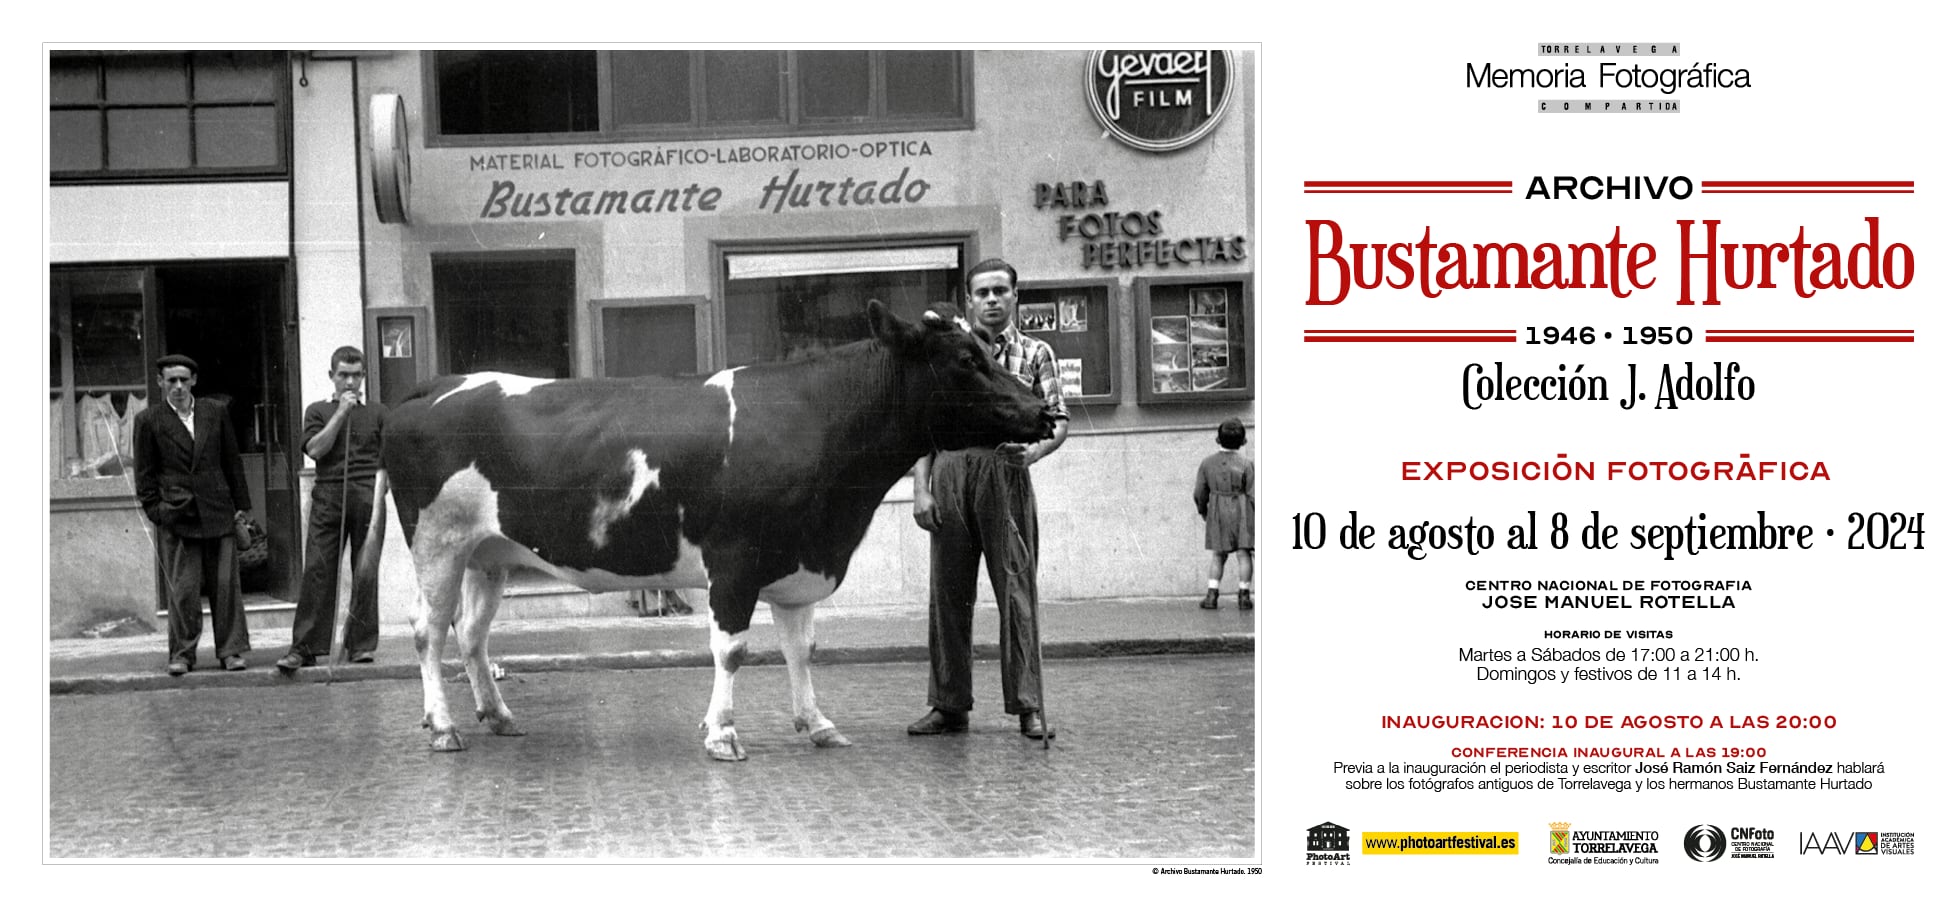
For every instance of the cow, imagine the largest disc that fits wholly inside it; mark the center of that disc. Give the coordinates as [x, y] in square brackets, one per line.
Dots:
[757, 484]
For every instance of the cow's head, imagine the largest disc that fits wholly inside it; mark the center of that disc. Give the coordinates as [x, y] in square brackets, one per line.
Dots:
[969, 401]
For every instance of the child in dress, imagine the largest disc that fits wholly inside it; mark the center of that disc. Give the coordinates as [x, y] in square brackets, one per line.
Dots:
[1225, 499]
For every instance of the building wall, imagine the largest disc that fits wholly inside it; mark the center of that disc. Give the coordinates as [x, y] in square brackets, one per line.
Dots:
[326, 220]
[155, 222]
[101, 558]
[1115, 501]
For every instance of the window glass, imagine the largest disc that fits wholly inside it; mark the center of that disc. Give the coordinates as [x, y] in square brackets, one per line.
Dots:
[921, 83]
[835, 84]
[237, 136]
[652, 88]
[730, 92]
[108, 338]
[74, 81]
[237, 75]
[129, 116]
[149, 138]
[743, 86]
[397, 367]
[145, 79]
[517, 91]
[505, 315]
[75, 140]
[98, 383]
[1196, 338]
[1077, 324]
[770, 319]
[649, 340]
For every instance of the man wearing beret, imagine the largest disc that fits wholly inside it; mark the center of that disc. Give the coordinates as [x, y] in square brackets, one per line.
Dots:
[190, 481]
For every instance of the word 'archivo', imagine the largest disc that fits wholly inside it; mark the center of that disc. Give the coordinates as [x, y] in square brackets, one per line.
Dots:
[1614, 265]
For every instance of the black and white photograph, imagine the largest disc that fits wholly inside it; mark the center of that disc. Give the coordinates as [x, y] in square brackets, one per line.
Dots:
[1073, 314]
[457, 454]
[1036, 317]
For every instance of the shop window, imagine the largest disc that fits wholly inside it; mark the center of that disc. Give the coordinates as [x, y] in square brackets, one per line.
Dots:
[1194, 339]
[648, 337]
[110, 324]
[1077, 321]
[149, 116]
[790, 304]
[98, 380]
[627, 95]
[506, 312]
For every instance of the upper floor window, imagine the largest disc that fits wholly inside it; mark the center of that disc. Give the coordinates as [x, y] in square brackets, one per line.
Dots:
[143, 115]
[631, 94]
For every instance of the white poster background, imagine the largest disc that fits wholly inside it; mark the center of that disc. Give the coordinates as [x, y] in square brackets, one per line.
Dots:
[1839, 92]
[1350, 91]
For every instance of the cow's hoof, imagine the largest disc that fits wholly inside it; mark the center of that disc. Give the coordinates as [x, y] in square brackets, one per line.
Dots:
[505, 726]
[446, 742]
[727, 750]
[829, 737]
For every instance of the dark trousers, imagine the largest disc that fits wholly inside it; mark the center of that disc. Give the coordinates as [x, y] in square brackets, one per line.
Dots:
[319, 588]
[985, 508]
[191, 569]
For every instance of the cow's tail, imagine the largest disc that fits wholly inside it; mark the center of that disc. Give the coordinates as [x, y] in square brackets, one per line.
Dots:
[368, 570]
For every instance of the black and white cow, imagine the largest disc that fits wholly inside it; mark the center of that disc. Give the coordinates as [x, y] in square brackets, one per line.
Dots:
[757, 484]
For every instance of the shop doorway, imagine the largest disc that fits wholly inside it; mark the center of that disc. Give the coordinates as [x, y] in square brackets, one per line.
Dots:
[230, 318]
[109, 325]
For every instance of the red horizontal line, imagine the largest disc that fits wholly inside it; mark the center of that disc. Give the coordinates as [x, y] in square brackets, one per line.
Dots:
[1708, 184]
[1819, 191]
[1409, 331]
[1710, 331]
[1413, 191]
[1425, 339]
[1784, 339]
[1334, 183]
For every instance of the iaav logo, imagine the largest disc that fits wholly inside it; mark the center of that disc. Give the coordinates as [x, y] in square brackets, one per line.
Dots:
[1704, 843]
[1865, 842]
[1160, 100]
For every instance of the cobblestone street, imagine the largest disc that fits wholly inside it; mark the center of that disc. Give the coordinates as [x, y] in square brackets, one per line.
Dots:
[1154, 760]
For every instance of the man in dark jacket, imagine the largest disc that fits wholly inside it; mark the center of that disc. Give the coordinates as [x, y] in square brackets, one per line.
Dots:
[190, 481]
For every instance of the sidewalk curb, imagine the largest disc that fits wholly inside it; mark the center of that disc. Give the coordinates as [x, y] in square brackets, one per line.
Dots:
[267, 676]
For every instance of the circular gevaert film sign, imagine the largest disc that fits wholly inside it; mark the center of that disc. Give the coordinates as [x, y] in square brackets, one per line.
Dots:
[1160, 100]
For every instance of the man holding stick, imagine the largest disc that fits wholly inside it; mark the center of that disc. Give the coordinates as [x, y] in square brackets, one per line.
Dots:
[343, 437]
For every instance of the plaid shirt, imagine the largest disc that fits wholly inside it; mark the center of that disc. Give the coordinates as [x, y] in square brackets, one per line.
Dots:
[1031, 361]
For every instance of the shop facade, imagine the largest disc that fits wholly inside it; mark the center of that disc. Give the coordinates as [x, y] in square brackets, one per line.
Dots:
[620, 213]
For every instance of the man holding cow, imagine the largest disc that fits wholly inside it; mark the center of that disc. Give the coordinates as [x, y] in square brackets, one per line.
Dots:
[758, 483]
[979, 502]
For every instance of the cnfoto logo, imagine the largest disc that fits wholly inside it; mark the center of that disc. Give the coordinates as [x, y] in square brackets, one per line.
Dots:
[1705, 843]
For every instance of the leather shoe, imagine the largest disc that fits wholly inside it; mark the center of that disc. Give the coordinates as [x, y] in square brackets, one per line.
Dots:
[362, 656]
[1244, 602]
[234, 663]
[292, 662]
[938, 722]
[1209, 600]
[1029, 725]
[178, 668]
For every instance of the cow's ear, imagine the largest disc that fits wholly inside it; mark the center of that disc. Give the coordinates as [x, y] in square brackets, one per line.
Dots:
[895, 332]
